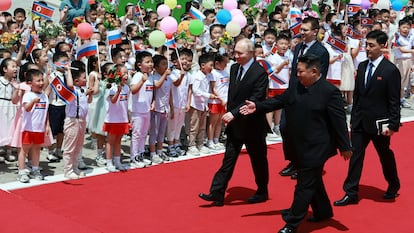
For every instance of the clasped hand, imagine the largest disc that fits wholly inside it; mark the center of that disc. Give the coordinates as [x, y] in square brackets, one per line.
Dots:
[248, 108]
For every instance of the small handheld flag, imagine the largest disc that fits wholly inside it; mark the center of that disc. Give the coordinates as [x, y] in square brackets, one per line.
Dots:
[366, 21]
[30, 44]
[353, 34]
[62, 91]
[87, 50]
[336, 43]
[352, 9]
[196, 13]
[114, 37]
[397, 42]
[170, 42]
[295, 13]
[42, 10]
[295, 29]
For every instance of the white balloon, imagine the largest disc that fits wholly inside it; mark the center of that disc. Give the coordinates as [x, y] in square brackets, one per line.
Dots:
[382, 4]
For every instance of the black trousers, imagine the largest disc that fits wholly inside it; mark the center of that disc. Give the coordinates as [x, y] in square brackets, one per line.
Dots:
[257, 149]
[360, 141]
[309, 190]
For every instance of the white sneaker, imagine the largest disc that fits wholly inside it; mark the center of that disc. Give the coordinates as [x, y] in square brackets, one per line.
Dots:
[111, 168]
[220, 146]
[72, 176]
[36, 175]
[405, 104]
[204, 150]
[141, 158]
[120, 167]
[164, 157]
[193, 151]
[137, 163]
[211, 146]
[24, 178]
[156, 159]
[10, 158]
[100, 160]
[52, 158]
[179, 151]
[2, 159]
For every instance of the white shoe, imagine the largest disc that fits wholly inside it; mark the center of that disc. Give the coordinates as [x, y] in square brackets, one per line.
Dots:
[212, 146]
[2, 159]
[10, 158]
[37, 175]
[81, 164]
[24, 178]
[164, 157]
[111, 168]
[405, 104]
[220, 146]
[136, 163]
[100, 160]
[156, 159]
[204, 150]
[120, 167]
[141, 158]
[72, 176]
[193, 151]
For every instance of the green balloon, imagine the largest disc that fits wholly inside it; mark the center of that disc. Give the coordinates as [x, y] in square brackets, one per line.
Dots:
[196, 27]
[156, 38]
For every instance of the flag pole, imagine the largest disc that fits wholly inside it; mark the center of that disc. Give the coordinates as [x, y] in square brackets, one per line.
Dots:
[178, 58]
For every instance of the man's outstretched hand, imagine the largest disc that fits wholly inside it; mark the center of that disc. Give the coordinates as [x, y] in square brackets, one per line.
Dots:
[248, 108]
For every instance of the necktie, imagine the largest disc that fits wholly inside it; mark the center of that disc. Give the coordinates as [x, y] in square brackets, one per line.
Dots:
[369, 75]
[239, 76]
[302, 50]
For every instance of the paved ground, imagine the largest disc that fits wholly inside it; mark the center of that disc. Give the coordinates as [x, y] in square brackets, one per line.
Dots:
[53, 171]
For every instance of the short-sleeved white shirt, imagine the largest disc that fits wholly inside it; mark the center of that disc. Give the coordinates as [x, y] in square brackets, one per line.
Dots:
[141, 101]
[117, 112]
[35, 120]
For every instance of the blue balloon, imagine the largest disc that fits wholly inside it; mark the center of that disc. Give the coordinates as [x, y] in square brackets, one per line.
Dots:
[223, 16]
[397, 5]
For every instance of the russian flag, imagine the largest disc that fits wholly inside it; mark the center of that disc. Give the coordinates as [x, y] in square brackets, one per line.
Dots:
[295, 29]
[87, 50]
[366, 21]
[137, 11]
[295, 13]
[42, 10]
[336, 43]
[30, 44]
[353, 34]
[276, 78]
[170, 43]
[266, 65]
[397, 42]
[352, 9]
[62, 91]
[114, 37]
[196, 13]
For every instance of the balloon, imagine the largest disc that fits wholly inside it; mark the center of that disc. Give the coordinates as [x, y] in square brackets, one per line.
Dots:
[223, 16]
[168, 25]
[230, 4]
[178, 6]
[383, 4]
[397, 5]
[84, 30]
[358, 2]
[208, 4]
[183, 26]
[196, 27]
[163, 10]
[365, 4]
[171, 3]
[156, 38]
[233, 28]
[240, 19]
[404, 2]
[235, 12]
[5, 5]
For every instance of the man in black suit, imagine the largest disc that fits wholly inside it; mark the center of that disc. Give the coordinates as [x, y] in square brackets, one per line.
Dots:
[316, 128]
[309, 45]
[248, 80]
[376, 97]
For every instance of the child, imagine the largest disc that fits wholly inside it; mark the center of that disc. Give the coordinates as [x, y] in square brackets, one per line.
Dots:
[199, 105]
[35, 114]
[217, 107]
[19, 17]
[178, 105]
[277, 85]
[57, 107]
[8, 99]
[116, 119]
[269, 40]
[158, 124]
[75, 123]
[142, 90]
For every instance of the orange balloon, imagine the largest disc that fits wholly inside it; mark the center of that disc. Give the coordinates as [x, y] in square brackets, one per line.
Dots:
[183, 26]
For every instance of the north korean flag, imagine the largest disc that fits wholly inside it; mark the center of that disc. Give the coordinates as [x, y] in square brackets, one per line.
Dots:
[352, 9]
[353, 34]
[295, 29]
[42, 10]
[62, 91]
[366, 21]
[336, 43]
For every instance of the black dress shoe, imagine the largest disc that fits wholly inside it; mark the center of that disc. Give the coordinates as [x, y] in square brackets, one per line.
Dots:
[287, 229]
[390, 195]
[257, 198]
[294, 176]
[346, 200]
[288, 170]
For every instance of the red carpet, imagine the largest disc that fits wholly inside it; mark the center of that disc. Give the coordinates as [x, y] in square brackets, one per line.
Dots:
[164, 199]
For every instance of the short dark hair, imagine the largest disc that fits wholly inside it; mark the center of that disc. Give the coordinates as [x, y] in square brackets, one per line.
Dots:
[19, 10]
[205, 58]
[140, 57]
[313, 21]
[379, 36]
[311, 61]
[33, 73]
[58, 56]
[182, 51]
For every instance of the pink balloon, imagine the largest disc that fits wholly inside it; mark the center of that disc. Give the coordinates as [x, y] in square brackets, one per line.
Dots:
[163, 10]
[230, 4]
[168, 25]
[5, 5]
[240, 19]
[84, 30]
[235, 12]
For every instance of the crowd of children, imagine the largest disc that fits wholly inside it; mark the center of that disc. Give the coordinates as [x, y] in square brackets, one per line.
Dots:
[160, 94]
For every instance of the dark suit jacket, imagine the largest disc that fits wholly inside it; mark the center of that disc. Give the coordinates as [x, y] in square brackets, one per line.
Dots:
[315, 122]
[253, 87]
[379, 100]
[316, 49]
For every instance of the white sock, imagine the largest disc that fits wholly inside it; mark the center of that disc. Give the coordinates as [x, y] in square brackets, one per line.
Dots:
[117, 159]
[22, 172]
[210, 142]
[159, 152]
[109, 163]
[35, 168]
[216, 140]
[153, 154]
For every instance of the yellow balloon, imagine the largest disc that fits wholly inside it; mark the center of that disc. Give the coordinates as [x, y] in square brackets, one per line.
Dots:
[233, 28]
[183, 26]
[171, 3]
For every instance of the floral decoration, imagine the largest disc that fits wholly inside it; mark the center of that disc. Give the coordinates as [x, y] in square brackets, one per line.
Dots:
[50, 30]
[226, 39]
[7, 40]
[114, 76]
